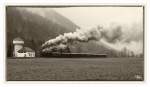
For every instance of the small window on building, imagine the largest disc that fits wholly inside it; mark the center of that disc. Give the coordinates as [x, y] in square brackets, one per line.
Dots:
[24, 55]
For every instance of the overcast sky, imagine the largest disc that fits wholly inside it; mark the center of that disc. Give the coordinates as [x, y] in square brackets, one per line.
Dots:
[91, 16]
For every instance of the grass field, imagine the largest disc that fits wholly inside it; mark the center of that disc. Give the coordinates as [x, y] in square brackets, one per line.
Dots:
[76, 69]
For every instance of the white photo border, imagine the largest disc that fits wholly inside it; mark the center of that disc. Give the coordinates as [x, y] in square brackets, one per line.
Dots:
[144, 83]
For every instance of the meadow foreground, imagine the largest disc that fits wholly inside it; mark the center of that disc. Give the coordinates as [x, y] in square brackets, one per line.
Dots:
[62, 69]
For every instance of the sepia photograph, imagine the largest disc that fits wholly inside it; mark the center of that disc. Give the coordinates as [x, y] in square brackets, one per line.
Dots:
[75, 43]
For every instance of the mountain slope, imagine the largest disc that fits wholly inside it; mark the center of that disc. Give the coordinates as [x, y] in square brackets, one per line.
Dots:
[52, 15]
[33, 28]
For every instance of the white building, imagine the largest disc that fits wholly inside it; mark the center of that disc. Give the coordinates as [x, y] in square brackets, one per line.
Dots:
[20, 50]
[26, 52]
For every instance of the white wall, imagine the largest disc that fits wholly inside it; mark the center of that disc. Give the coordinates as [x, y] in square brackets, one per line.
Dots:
[16, 48]
[27, 54]
[20, 54]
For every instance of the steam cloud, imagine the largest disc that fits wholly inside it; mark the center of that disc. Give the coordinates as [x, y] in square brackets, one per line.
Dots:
[114, 37]
[81, 35]
[120, 37]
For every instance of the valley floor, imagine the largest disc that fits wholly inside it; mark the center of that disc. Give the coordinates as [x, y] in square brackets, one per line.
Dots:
[81, 69]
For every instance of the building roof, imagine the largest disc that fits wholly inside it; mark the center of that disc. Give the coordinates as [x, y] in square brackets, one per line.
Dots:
[18, 39]
[25, 49]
